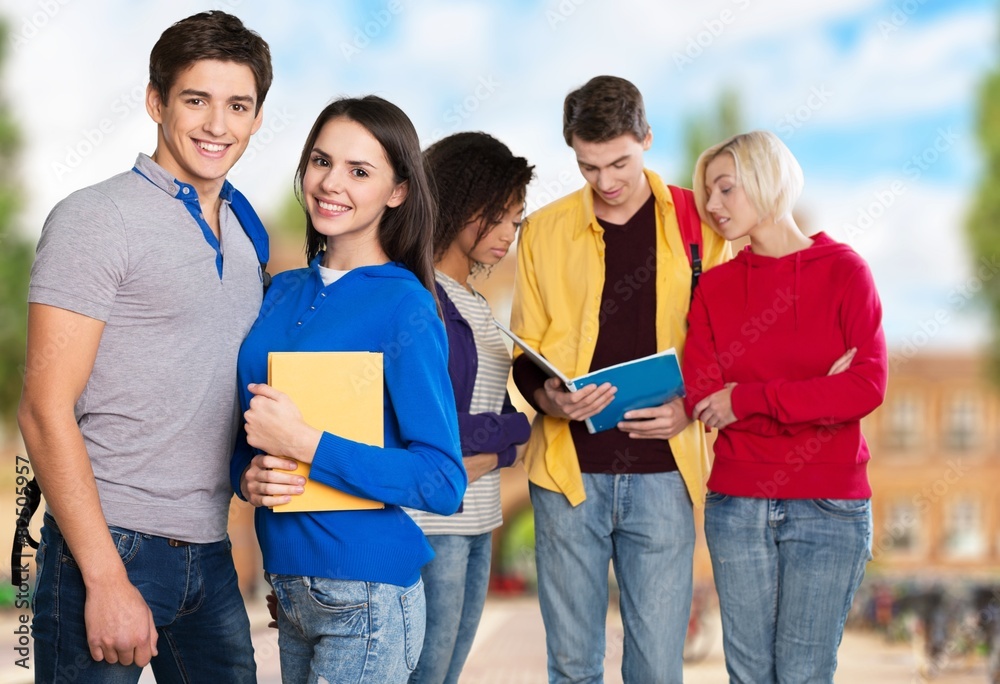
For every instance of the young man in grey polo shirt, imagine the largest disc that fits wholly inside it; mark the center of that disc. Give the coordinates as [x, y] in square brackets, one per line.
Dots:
[142, 290]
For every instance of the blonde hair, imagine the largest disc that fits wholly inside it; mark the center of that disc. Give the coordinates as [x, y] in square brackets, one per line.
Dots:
[765, 167]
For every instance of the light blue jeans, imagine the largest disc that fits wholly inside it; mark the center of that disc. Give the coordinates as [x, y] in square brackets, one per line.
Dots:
[202, 625]
[455, 585]
[347, 630]
[644, 525]
[786, 571]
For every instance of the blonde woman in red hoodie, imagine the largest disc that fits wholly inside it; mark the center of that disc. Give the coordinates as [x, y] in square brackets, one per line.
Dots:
[784, 356]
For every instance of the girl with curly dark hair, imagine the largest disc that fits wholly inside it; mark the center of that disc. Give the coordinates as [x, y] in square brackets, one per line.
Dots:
[479, 190]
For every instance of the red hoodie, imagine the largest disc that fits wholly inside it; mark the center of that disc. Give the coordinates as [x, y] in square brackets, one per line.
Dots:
[774, 327]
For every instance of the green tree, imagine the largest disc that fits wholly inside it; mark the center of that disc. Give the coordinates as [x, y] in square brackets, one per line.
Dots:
[703, 131]
[15, 261]
[983, 225]
[288, 224]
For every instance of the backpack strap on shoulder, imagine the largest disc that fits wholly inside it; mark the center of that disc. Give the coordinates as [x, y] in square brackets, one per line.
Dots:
[690, 228]
[255, 230]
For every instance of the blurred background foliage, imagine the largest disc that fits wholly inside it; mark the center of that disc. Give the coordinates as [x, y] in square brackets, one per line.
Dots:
[984, 217]
[16, 254]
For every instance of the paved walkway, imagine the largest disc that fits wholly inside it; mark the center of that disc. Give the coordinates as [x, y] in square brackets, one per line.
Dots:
[510, 649]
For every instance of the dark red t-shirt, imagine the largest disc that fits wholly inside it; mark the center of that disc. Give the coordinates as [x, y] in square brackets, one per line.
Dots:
[627, 330]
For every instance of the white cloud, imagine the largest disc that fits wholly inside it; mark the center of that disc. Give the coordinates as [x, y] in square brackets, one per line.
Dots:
[912, 235]
[430, 60]
[924, 68]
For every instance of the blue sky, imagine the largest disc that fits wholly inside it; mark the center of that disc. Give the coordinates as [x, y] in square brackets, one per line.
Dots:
[857, 90]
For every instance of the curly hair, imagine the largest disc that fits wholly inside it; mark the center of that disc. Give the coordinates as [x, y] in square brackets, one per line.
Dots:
[473, 175]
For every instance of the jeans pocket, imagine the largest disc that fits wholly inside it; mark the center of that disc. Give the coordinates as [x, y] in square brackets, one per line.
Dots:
[848, 509]
[414, 623]
[342, 606]
[126, 542]
[714, 498]
[39, 568]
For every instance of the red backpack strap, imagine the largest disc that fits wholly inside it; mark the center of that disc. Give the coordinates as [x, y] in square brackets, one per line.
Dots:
[690, 228]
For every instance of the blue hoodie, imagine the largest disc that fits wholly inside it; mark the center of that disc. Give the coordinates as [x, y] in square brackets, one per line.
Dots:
[378, 309]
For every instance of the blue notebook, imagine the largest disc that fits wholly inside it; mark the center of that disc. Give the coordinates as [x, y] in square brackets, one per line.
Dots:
[650, 381]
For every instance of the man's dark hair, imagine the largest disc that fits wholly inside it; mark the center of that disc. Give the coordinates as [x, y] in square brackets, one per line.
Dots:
[604, 108]
[405, 232]
[209, 35]
[473, 175]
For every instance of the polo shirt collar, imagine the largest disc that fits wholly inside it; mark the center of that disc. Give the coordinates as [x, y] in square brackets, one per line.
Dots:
[159, 177]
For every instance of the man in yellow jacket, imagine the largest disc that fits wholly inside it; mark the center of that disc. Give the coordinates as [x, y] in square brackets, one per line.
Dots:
[604, 277]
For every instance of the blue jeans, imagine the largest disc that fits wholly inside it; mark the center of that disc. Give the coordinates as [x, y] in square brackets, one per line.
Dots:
[204, 632]
[786, 571]
[347, 630]
[455, 585]
[645, 526]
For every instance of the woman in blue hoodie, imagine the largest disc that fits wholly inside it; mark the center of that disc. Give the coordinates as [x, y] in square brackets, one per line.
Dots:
[480, 188]
[349, 594]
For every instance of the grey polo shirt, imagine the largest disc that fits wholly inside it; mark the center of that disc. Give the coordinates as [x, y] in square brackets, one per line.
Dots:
[159, 412]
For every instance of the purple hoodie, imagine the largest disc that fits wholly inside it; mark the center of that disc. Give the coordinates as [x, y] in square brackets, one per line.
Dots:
[479, 433]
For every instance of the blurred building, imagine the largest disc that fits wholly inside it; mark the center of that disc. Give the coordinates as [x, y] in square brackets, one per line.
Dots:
[935, 468]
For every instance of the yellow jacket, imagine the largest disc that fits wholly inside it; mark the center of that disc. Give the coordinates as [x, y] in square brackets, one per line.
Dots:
[556, 310]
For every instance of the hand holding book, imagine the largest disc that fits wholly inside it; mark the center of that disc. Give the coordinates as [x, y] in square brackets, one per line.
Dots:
[269, 481]
[275, 425]
[558, 401]
[309, 393]
[657, 422]
[649, 384]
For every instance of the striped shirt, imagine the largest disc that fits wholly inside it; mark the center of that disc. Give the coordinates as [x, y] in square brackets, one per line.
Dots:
[481, 506]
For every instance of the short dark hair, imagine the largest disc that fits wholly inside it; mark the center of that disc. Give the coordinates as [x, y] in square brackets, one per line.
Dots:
[604, 108]
[405, 232]
[473, 175]
[209, 35]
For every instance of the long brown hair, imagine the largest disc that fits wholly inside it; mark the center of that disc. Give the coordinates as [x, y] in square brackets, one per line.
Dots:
[406, 232]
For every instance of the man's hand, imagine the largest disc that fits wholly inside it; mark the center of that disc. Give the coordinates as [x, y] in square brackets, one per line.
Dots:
[556, 401]
[272, 609]
[274, 425]
[119, 624]
[656, 422]
[478, 465]
[266, 481]
[716, 410]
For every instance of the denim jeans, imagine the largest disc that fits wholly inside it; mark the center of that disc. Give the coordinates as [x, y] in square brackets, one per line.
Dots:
[347, 630]
[204, 632]
[644, 525]
[455, 585]
[786, 571]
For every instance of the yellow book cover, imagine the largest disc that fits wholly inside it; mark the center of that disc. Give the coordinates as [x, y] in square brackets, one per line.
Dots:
[340, 393]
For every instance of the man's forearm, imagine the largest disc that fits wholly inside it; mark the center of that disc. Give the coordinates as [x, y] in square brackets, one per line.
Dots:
[61, 464]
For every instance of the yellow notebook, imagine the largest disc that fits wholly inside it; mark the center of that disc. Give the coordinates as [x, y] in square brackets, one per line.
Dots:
[341, 393]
